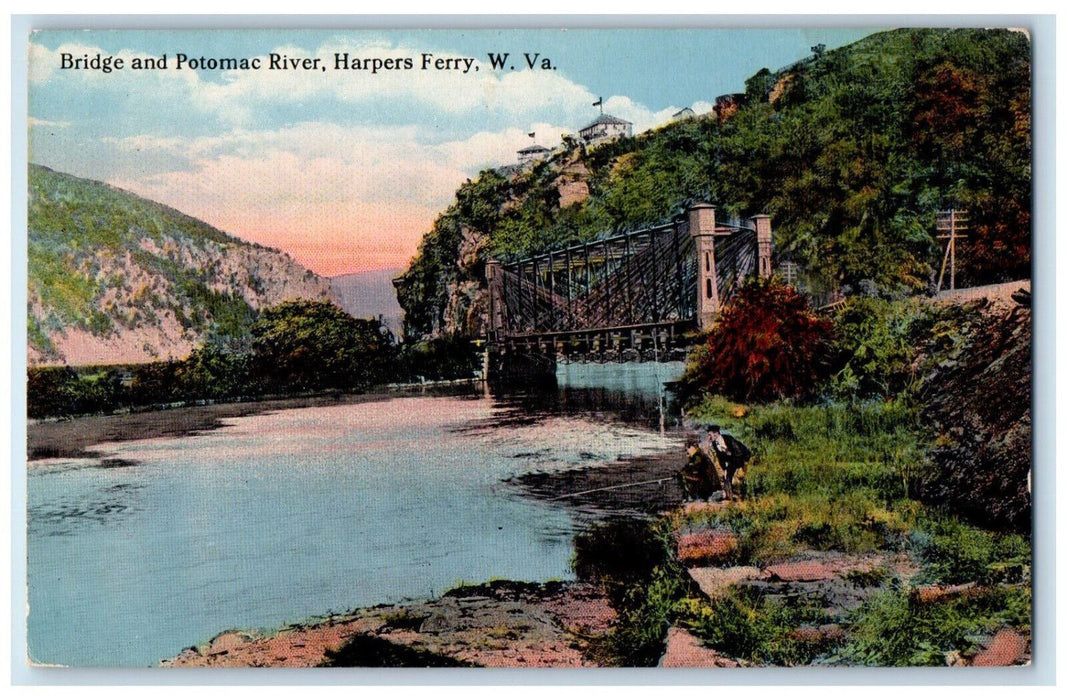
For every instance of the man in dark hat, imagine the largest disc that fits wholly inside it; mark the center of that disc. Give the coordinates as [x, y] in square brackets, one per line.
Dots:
[699, 477]
[731, 453]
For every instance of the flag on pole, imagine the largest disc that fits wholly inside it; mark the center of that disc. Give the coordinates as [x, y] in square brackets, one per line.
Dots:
[599, 101]
[532, 134]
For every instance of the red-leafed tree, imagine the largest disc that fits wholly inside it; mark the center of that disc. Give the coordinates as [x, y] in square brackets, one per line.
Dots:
[767, 344]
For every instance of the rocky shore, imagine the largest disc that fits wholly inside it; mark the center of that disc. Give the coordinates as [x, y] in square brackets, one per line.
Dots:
[498, 624]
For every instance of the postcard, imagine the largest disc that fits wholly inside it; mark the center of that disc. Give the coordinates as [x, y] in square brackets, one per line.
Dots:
[512, 348]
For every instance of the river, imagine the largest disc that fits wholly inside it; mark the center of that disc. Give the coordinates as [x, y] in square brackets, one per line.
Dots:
[278, 517]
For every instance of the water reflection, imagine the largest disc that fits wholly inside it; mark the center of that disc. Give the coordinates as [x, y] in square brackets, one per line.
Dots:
[635, 394]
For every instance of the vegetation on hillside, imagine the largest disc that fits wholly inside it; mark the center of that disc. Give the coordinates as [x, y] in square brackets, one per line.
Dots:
[104, 261]
[296, 347]
[851, 151]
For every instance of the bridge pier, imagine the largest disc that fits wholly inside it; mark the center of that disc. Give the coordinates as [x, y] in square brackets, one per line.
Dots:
[763, 244]
[702, 229]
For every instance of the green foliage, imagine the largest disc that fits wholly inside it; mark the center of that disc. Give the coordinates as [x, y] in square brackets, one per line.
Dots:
[894, 630]
[858, 150]
[954, 552]
[438, 358]
[308, 345]
[867, 141]
[60, 391]
[637, 639]
[214, 372]
[744, 623]
[298, 346]
[880, 342]
[767, 344]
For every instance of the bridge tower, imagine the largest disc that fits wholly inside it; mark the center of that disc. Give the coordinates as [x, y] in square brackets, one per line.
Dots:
[763, 244]
[702, 229]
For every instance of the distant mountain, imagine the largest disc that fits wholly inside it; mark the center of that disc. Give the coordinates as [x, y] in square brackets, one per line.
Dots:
[369, 295]
[115, 278]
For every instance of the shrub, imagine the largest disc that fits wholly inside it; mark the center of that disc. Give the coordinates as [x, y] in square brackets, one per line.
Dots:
[953, 552]
[308, 345]
[766, 345]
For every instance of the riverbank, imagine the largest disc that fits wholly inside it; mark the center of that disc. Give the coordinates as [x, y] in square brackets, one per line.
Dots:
[809, 570]
[498, 624]
[70, 439]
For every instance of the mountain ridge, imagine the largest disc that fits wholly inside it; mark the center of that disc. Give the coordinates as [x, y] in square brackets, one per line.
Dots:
[115, 278]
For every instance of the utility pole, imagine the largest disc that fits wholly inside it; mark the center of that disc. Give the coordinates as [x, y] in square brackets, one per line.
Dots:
[949, 225]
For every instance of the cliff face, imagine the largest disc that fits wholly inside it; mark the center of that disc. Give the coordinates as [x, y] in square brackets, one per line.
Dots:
[979, 404]
[851, 152]
[114, 278]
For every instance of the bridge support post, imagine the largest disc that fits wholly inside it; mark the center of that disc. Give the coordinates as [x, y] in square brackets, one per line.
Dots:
[763, 243]
[702, 229]
[494, 275]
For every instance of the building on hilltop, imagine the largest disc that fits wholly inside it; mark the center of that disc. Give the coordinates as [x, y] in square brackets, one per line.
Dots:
[532, 154]
[683, 113]
[605, 128]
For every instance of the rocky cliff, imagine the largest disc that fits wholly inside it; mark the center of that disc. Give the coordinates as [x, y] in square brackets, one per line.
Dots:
[115, 278]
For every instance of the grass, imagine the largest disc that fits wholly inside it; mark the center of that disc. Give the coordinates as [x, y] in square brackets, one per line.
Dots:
[843, 477]
[894, 630]
[747, 624]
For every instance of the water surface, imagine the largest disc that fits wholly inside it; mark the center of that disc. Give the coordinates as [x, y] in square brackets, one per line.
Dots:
[279, 517]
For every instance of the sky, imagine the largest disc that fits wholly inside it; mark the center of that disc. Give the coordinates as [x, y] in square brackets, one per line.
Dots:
[346, 169]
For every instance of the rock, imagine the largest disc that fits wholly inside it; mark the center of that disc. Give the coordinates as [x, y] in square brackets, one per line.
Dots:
[710, 547]
[803, 571]
[926, 595]
[818, 635]
[1007, 648]
[820, 567]
[685, 651]
[714, 580]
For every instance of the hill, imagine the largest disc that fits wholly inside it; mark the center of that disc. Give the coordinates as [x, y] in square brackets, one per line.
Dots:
[115, 278]
[369, 295]
[851, 151]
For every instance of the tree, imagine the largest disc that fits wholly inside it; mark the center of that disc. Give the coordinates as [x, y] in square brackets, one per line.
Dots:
[310, 345]
[767, 344]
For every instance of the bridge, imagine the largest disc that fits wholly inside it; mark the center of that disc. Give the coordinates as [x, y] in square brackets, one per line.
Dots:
[630, 296]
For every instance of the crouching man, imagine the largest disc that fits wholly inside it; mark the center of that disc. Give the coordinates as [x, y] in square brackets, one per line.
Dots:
[699, 478]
